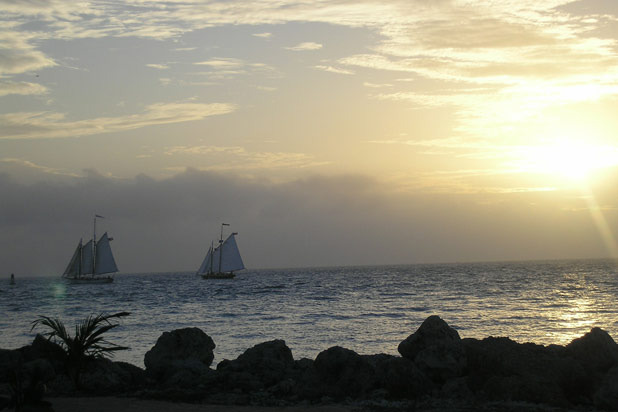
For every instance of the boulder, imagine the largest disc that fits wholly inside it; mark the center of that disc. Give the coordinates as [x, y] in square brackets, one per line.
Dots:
[260, 367]
[436, 349]
[344, 373]
[43, 348]
[606, 396]
[596, 350]
[502, 369]
[188, 349]
[10, 360]
[105, 378]
[400, 377]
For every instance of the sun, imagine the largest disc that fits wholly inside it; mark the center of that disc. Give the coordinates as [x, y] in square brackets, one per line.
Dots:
[572, 159]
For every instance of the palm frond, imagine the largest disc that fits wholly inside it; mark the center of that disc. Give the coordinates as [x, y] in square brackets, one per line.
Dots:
[88, 339]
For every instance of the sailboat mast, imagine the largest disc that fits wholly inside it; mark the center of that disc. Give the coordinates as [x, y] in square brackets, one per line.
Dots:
[221, 246]
[81, 252]
[94, 245]
[212, 254]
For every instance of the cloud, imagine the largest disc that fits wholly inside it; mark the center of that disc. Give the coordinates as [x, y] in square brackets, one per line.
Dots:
[27, 170]
[226, 68]
[236, 158]
[17, 55]
[263, 35]
[23, 88]
[222, 63]
[332, 69]
[49, 125]
[376, 86]
[527, 39]
[166, 224]
[158, 66]
[306, 46]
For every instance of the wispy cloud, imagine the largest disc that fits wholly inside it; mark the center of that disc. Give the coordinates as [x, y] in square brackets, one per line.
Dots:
[19, 55]
[306, 46]
[493, 64]
[376, 85]
[239, 158]
[221, 68]
[23, 88]
[32, 165]
[47, 125]
[158, 66]
[333, 69]
[222, 63]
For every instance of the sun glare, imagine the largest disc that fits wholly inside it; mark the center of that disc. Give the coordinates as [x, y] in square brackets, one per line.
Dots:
[570, 159]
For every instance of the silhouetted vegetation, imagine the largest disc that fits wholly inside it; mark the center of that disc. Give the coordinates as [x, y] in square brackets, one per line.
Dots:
[88, 341]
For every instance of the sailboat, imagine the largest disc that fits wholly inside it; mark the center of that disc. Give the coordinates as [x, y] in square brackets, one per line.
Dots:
[222, 261]
[92, 260]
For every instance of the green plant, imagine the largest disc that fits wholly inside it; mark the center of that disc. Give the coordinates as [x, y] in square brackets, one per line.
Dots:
[87, 343]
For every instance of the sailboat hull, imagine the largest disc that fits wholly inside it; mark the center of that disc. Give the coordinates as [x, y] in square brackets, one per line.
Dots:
[218, 275]
[90, 281]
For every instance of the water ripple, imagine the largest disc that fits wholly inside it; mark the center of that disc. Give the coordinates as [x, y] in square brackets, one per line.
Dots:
[366, 309]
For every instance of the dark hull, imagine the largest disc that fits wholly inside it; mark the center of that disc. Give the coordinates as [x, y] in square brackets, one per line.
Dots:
[218, 275]
[90, 280]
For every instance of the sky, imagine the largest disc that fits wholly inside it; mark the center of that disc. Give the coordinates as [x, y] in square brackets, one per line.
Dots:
[324, 132]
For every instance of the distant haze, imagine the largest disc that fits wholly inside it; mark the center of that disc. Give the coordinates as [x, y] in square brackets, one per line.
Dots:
[168, 224]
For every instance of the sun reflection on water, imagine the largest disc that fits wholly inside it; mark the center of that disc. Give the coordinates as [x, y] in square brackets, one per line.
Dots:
[575, 310]
[58, 290]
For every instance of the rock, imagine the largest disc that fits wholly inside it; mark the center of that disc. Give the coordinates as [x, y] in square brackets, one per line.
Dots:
[260, 367]
[103, 378]
[501, 369]
[136, 375]
[400, 377]
[9, 361]
[436, 349]
[43, 348]
[344, 373]
[36, 374]
[309, 384]
[596, 350]
[607, 395]
[182, 349]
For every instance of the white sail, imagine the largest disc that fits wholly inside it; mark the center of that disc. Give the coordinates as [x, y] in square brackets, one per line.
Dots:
[224, 259]
[229, 255]
[73, 268]
[87, 259]
[205, 266]
[105, 262]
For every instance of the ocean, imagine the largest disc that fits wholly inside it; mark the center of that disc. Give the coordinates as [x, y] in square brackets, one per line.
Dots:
[368, 309]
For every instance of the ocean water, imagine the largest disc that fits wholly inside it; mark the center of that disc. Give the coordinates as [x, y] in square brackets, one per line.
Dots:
[366, 309]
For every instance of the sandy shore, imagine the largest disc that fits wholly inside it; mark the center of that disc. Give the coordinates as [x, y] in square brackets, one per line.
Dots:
[116, 404]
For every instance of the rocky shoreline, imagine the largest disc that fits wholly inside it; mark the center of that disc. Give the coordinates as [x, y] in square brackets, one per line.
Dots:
[436, 367]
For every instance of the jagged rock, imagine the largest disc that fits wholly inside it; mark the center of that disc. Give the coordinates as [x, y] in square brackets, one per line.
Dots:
[104, 377]
[188, 349]
[9, 360]
[43, 348]
[259, 367]
[436, 349]
[344, 373]
[501, 369]
[400, 377]
[607, 395]
[596, 350]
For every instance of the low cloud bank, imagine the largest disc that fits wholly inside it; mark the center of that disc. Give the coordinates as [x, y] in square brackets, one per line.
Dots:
[168, 224]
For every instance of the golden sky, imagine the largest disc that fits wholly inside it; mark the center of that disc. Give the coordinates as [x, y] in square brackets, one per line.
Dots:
[487, 111]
